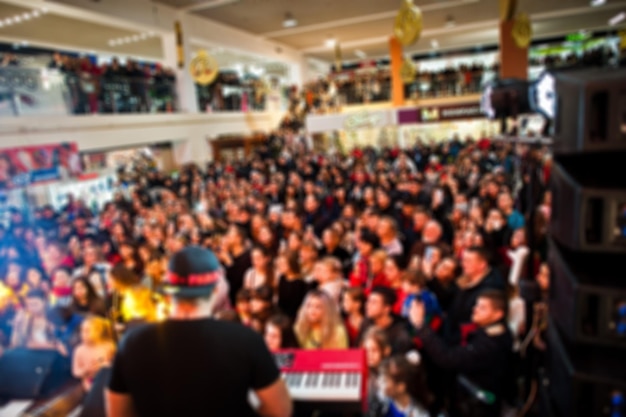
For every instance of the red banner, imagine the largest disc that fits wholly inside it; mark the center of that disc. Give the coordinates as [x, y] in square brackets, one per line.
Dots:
[26, 165]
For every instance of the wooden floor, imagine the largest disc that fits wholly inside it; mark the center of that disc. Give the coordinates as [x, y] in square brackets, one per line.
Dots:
[21, 408]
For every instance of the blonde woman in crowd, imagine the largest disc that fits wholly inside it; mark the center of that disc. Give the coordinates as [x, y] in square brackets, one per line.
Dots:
[319, 325]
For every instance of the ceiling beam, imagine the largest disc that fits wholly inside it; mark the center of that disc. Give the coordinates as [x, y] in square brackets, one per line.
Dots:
[210, 4]
[361, 19]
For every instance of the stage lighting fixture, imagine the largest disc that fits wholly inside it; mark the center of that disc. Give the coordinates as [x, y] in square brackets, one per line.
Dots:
[542, 95]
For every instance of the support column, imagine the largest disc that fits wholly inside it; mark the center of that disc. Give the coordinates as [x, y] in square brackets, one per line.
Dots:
[397, 85]
[513, 59]
[185, 87]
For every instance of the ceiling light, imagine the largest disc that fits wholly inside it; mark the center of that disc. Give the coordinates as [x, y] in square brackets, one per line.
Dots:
[596, 3]
[617, 19]
[1, 23]
[36, 13]
[8, 21]
[330, 42]
[289, 21]
[44, 10]
[112, 42]
[450, 22]
[434, 43]
[360, 53]
[26, 16]
[136, 38]
[17, 19]
[128, 39]
[143, 36]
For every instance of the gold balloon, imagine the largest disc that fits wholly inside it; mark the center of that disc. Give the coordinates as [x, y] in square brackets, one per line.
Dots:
[507, 9]
[408, 24]
[522, 30]
[407, 71]
[204, 68]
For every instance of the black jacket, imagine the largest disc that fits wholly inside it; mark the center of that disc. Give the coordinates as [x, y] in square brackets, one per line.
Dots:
[460, 311]
[484, 359]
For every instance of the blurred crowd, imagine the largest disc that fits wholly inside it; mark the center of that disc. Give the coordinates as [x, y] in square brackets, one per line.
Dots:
[108, 88]
[116, 88]
[423, 257]
[373, 85]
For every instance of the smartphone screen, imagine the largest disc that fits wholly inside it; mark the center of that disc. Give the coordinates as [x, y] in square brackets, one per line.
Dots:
[428, 254]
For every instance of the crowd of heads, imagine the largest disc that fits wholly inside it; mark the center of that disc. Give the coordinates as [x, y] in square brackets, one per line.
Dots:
[371, 85]
[317, 251]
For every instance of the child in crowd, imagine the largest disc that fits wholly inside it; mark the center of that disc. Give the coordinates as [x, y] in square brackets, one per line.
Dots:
[34, 280]
[61, 288]
[12, 291]
[377, 269]
[261, 307]
[377, 348]
[403, 386]
[327, 273]
[414, 287]
[353, 304]
[242, 306]
[95, 350]
[279, 333]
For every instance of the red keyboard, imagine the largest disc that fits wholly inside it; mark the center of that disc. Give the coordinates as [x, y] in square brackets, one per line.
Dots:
[325, 376]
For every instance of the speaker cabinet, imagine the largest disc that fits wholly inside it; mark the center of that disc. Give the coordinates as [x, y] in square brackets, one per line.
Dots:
[588, 214]
[30, 374]
[587, 297]
[585, 382]
[590, 111]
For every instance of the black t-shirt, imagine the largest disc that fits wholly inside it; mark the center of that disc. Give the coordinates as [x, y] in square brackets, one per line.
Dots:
[192, 368]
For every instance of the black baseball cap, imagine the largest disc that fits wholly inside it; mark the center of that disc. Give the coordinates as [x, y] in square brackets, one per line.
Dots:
[192, 272]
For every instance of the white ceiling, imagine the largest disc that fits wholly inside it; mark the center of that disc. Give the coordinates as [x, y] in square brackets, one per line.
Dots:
[366, 25]
[51, 29]
[358, 25]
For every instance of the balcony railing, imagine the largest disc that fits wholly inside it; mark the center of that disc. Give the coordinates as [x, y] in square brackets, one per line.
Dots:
[36, 91]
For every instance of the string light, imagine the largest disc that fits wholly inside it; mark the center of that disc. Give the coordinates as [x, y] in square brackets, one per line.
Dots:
[130, 39]
[23, 17]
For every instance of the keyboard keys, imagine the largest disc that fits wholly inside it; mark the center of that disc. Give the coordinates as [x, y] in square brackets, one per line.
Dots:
[327, 386]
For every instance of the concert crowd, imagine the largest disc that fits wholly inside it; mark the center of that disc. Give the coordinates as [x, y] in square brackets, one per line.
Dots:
[430, 258]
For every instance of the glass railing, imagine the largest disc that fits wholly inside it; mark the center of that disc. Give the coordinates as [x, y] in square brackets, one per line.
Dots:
[223, 97]
[37, 91]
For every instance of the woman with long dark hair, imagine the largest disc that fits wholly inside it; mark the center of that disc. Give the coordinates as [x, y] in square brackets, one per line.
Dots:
[85, 300]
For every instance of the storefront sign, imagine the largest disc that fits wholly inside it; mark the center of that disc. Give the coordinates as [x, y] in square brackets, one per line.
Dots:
[363, 119]
[26, 165]
[452, 112]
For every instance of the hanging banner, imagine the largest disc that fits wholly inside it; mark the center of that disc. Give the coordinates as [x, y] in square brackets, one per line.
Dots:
[27, 165]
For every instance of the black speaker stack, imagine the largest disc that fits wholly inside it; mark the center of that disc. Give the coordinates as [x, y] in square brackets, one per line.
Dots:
[586, 337]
